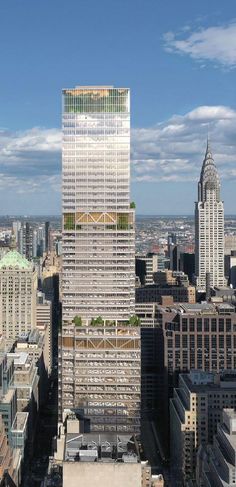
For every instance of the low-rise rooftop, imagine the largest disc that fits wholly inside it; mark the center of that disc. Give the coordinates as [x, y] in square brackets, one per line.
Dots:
[105, 447]
[20, 358]
[199, 381]
[20, 422]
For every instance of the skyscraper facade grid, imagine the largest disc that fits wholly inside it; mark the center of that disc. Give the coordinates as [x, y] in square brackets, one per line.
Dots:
[99, 352]
[98, 224]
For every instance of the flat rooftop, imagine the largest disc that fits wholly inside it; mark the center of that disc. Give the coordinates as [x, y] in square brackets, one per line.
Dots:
[20, 422]
[20, 358]
[7, 398]
[104, 447]
[198, 307]
[222, 381]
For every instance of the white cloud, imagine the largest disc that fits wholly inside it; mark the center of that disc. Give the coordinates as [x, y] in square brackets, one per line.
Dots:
[216, 44]
[174, 150]
[30, 160]
[30, 143]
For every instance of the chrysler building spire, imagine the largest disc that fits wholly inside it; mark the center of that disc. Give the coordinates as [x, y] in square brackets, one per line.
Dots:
[209, 178]
[209, 226]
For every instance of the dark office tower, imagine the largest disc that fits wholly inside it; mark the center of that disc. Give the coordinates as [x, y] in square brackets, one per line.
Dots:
[209, 227]
[187, 264]
[152, 378]
[47, 236]
[175, 257]
[172, 239]
[28, 241]
[140, 270]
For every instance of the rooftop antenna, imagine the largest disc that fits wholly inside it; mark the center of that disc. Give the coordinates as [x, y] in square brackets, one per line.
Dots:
[208, 138]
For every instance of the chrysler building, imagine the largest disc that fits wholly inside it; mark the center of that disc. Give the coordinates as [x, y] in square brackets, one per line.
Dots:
[209, 227]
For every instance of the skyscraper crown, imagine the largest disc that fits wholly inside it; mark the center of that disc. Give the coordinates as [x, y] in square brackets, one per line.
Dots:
[209, 178]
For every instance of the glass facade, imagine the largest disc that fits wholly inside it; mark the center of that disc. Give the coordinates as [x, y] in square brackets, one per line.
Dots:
[98, 224]
[99, 367]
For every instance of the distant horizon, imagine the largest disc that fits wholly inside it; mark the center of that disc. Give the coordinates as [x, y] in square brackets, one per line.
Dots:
[169, 215]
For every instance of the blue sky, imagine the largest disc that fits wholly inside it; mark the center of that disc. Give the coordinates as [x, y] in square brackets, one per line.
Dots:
[178, 58]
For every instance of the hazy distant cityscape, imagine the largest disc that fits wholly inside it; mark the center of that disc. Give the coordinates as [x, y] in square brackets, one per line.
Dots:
[151, 230]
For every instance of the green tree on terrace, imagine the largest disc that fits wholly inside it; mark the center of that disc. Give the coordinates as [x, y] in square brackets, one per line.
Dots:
[77, 320]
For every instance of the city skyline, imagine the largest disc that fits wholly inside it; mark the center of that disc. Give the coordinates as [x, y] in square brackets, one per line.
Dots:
[170, 121]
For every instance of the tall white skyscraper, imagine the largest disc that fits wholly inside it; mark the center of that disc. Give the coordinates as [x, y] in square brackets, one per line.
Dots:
[98, 233]
[99, 353]
[209, 227]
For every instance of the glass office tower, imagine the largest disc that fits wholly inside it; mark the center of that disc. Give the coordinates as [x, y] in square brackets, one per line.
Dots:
[99, 357]
[98, 234]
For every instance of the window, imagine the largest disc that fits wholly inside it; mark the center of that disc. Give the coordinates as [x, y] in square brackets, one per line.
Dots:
[184, 324]
[206, 324]
[191, 324]
[213, 325]
[199, 324]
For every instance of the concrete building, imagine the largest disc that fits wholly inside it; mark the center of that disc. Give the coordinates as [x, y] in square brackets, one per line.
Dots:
[223, 295]
[98, 269]
[26, 383]
[100, 375]
[195, 411]
[18, 286]
[187, 336]
[37, 345]
[44, 310]
[106, 457]
[154, 293]
[230, 244]
[219, 459]
[25, 380]
[171, 278]
[176, 338]
[209, 227]
[8, 394]
[16, 226]
[9, 458]
[15, 422]
[18, 403]
[198, 336]
[146, 312]
[21, 433]
[128, 473]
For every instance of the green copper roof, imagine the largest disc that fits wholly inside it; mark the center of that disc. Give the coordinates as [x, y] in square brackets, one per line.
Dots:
[14, 259]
